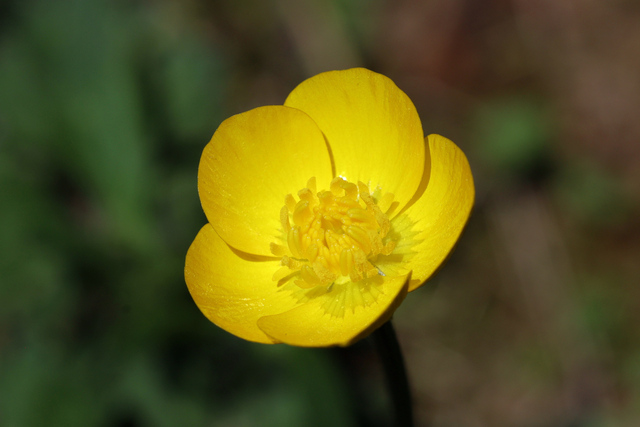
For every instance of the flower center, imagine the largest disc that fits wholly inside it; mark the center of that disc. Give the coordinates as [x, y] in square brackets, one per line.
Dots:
[332, 234]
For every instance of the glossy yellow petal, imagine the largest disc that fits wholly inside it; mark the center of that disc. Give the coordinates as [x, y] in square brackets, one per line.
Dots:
[429, 229]
[252, 162]
[341, 316]
[232, 289]
[372, 127]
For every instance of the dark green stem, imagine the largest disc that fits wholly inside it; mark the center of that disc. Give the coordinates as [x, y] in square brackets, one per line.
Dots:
[388, 348]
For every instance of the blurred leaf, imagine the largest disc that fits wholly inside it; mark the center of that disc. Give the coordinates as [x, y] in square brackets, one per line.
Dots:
[86, 72]
[604, 311]
[591, 195]
[361, 20]
[190, 78]
[26, 109]
[182, 215]
[512, 133]
[316, 383]
[42, 386]
[140, 390]
[34, 274]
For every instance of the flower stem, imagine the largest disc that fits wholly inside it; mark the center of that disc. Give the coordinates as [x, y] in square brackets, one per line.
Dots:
[388, 348]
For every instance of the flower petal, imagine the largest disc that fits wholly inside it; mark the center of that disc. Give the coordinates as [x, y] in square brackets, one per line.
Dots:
[252, 162]
[337, 317]
[231, 289]
[430, 227]
[372, 127]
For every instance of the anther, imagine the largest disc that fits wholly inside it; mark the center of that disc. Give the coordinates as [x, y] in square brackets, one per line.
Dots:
[350, 189]
[290, 202]
[385, 202]
[284, 218]
[311, 185]
[277, 250]
[359, 214]
[307, 274]
[335, 186]
[360, 236]
[293, 240]
[301, 213]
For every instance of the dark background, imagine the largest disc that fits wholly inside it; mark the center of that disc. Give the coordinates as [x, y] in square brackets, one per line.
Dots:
[105, 107]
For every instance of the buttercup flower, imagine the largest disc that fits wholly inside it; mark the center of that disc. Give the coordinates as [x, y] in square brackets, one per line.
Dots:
[324, 212]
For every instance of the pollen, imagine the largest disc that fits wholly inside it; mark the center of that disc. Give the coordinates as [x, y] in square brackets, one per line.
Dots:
[332, 235]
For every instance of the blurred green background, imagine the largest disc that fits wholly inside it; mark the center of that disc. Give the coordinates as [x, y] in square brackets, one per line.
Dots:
[105, 107]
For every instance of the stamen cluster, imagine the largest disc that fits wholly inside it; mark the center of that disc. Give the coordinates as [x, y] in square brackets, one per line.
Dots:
[332, 234]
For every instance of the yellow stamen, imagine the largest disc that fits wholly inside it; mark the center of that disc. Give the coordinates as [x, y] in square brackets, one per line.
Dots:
[307, 274]
[284, 218]
[304, 285]
[359, 214]
[311, 185]
[346, 262]
[350, 189]
[277, 250]
[293, 239]
[385, 202]
[301, 213]
[280, 274]
[335, 186]
[360, 236]
[290, 202]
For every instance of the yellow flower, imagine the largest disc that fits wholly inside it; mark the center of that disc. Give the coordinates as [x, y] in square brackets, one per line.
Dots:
[324, 212]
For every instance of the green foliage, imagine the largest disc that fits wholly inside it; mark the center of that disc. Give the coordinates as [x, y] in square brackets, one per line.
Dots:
[591, 195]
[512, 132]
